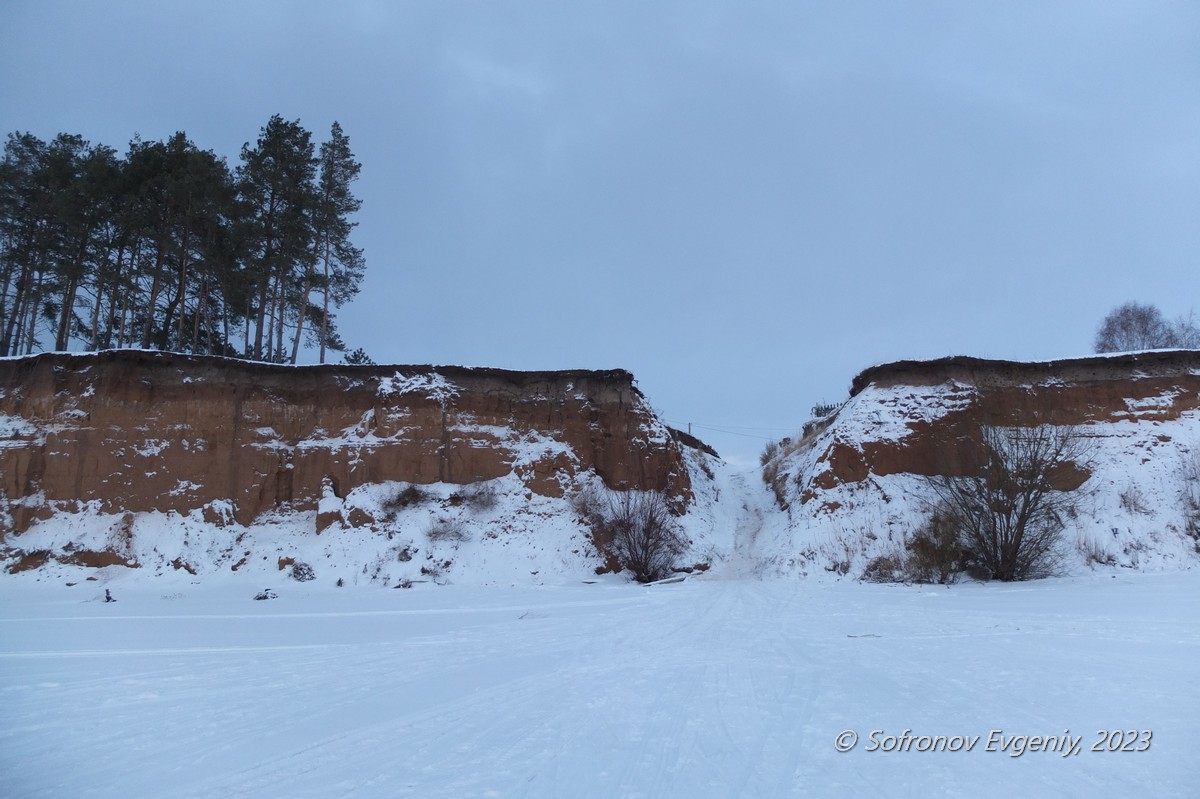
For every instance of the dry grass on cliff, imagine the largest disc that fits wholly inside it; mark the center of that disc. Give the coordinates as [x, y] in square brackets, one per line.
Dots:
[1191, 496]
[776, 453]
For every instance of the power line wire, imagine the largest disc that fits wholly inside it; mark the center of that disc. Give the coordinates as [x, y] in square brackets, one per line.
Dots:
[727, 427]
[730, 432]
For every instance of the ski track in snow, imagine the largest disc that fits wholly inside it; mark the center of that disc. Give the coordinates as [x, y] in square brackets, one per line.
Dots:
[713, 687]
[722, 686]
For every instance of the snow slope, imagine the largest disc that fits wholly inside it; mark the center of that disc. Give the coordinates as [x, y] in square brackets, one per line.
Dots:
[495, 532]
[1133, 513]
[710, 688]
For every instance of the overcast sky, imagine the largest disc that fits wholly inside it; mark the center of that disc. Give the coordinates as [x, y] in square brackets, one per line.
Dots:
[742, 203]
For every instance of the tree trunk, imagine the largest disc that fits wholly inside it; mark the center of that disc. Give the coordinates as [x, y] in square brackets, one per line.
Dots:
[262, 318]
[303, 311]
[66, 314]
[155, 285]
[183, 265]
[15, 327]
[325, 305]
[36, 300]
[281, 312]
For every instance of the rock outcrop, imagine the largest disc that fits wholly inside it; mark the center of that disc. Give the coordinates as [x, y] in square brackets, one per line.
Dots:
[136, 431]
[857, 478]
[929, 413]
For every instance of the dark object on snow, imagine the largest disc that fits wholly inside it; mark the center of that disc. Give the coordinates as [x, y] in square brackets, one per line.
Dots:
[266, 593]
[108, 597]
[302, 572]
[689, 440]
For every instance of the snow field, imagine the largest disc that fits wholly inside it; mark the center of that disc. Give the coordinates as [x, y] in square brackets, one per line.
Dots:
[712, 687]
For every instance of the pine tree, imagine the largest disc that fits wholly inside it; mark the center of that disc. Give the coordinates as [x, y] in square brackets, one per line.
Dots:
[275, 181]
[167, 248]
[81, 211]
[182, 198]
[51, 211]
[342, 263]
[358, 358]
[21, 231]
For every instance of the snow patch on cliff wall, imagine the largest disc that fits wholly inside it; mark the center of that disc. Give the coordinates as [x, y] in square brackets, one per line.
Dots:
[1133, 511]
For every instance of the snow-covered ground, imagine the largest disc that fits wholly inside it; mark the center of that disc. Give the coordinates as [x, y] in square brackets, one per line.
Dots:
[716, 687]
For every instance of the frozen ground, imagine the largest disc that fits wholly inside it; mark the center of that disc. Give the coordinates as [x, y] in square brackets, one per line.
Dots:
[710, 688]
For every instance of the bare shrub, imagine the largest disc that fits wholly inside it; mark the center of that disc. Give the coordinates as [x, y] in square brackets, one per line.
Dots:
[1190, 497]
[935, 553]
[479, 496]
[774, 456]
[769, 452]
[406, 497]
[771, 459]
[778, 484]
[1133, 500]
[590, 505]
[636, 528]
[1093, 553]
[447, 530]
[884, 569]
[302, 572]
[1007, 513]
[435, 571]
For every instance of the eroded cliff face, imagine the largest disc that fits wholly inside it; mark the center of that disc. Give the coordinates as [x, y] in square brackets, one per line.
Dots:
[125, 432]
[858, 477]
[925, 417]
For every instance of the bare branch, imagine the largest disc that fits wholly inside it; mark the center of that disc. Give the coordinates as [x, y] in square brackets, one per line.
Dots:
[1008, 512]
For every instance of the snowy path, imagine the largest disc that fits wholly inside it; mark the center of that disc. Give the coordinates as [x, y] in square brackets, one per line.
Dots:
[746, 560]
[709, 688]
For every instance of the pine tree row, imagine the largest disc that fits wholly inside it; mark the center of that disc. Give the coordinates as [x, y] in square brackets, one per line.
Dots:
[167, 248]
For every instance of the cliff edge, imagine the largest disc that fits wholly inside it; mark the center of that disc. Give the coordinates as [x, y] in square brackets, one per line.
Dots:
[121, 435]
[854, 485]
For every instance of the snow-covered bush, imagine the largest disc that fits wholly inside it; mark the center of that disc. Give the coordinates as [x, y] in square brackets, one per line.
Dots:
[302, 572]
